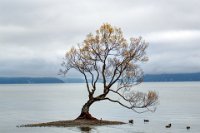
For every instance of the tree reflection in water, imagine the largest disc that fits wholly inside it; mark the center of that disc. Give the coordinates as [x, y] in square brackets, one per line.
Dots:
[85, 129]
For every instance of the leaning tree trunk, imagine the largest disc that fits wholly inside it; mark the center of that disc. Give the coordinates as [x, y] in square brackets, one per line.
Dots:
[85, 111]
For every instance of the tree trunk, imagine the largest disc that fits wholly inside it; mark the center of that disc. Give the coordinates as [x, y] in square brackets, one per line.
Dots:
[85, 111]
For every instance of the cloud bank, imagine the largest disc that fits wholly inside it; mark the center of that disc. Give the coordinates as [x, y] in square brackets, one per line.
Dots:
[35, 34]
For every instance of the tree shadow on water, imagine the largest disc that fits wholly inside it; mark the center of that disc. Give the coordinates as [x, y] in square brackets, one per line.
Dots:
[86, 129]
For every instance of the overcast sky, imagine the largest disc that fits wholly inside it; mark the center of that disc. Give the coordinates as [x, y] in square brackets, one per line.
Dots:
[35, 34]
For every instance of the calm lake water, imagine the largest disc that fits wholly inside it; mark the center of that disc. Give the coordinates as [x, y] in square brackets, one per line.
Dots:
[22, 104]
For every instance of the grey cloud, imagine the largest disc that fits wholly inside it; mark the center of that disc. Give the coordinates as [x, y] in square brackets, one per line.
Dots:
[174, 56]
[36, 33]
[33, 67]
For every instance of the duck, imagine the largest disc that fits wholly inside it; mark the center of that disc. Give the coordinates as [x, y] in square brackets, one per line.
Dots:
[188, 127]
[169, 125]
[130, 121]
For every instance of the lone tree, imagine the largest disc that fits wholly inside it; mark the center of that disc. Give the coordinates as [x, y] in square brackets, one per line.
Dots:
[107, 57]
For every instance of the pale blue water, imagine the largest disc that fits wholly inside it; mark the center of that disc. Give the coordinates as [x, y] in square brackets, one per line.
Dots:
[22, 104]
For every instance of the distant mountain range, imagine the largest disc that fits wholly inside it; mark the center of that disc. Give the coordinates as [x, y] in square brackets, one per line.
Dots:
[172, 77]
[29, 80]
[147, 78]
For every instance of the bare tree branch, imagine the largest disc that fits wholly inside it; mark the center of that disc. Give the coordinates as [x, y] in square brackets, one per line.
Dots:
[108, 57]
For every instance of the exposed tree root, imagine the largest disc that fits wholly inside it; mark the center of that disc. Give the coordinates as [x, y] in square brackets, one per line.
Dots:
[85, 116]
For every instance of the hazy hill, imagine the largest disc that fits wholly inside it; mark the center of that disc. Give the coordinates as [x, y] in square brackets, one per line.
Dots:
[172, 77]
[73, 80]
[153, 78]
[147, 78]
[29, 80]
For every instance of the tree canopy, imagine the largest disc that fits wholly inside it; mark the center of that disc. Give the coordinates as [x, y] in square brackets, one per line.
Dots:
[107, 57]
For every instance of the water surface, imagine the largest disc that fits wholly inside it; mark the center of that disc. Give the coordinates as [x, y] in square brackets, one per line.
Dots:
[22, 104]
